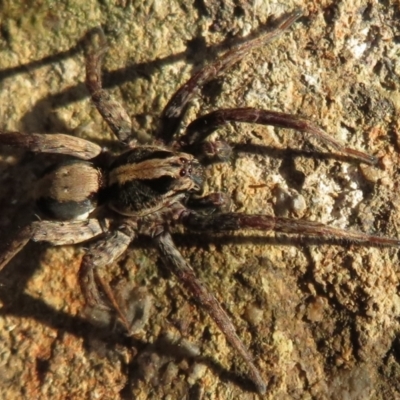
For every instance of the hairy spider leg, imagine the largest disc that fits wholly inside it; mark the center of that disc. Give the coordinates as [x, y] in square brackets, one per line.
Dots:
[100, 254]
[56, 143]
[111, 110]
[238, 221]
[198, 130]
[177, 105]
[56, 233]
[185, 274]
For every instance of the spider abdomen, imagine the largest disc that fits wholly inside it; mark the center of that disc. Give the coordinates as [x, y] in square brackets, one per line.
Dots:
[146, 179]
[69, 190]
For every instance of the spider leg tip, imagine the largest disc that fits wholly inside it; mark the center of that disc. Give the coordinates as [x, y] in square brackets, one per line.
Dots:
[298, 12]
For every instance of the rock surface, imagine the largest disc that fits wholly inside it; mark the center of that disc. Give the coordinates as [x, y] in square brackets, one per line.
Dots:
[321, 318]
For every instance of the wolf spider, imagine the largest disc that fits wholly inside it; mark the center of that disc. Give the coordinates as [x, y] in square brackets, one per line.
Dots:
[155, 184]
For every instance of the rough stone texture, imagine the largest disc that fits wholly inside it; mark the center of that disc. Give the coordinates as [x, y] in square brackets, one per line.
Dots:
[320, 318]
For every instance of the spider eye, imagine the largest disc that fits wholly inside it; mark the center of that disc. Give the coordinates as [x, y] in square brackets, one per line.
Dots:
[183, 172]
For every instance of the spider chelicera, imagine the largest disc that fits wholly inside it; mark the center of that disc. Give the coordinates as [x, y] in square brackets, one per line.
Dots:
[155, 183]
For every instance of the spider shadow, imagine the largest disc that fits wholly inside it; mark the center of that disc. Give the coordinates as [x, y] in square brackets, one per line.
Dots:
[309, 152]
[42, 119]
[198, 240]
[17, 303]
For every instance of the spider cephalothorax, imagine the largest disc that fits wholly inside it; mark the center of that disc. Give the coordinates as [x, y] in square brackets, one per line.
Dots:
[146, 179]
[155, 183]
